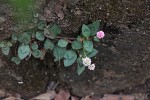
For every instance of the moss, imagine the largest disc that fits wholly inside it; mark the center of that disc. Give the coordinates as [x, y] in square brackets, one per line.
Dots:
[23, 9]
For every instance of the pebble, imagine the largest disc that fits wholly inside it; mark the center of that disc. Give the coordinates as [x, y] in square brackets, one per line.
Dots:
[2, 93]
[2, 19]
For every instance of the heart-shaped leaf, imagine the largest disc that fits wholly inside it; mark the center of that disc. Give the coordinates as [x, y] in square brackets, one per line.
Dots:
[80, 69]
[76, 45]
[9, 44]
[3, 44]
[70, 57]
[24, 38]
[34, 46]
[40, 36]
[23, 51]
[41, 25]
[16, 60]
[88, 45]
[49, 34]
[14, 37]
[96, 39]
[37, 53]
[5, 50]
[80, 66]
[93, 53]
[59, 52]
[94, 27]
[62, 43]
[86, 31]
[55, 29]
[48, 44]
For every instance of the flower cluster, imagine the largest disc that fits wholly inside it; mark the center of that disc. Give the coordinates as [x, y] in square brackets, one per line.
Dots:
[100, 34]
[87, 62]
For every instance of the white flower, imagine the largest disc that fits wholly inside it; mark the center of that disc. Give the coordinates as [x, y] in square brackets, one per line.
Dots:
[20, 82]
[91, 67]
[86, 61]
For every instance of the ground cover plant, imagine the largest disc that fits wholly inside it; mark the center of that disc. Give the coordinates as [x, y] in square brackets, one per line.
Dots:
[42, 38]
[121, 66]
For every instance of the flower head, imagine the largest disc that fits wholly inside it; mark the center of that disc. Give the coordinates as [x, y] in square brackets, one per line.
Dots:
[91, 67]
[100, 34]
[86, 61]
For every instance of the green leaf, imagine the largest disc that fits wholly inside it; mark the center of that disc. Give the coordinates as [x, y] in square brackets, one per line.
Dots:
[93, 53]
[80, 68]
[83, 52]
[40, 36]
[34, 46]
[86, 31]
[16, 60]
[55, 29]
[59, 52]
[70, 57]
[14, 37]
[34, 20]
[79, 38]
[23, 51]
[49, 34]
[62, 43]
[5, 50]
[37, 53]
[76, 45]
[96, 39]
[41, 25]
[3, 44]
[48, 44]
[24, 38]
[88, 45]
[9, 44]
[94, 27]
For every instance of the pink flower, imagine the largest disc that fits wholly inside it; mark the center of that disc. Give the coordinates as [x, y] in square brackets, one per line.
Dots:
[100, 34]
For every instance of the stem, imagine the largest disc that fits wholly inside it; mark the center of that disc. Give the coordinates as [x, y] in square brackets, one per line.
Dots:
[84, 52]
[68, 39]
[59, 37]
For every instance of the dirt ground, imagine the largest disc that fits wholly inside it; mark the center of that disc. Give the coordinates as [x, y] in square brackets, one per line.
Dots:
[122, 64]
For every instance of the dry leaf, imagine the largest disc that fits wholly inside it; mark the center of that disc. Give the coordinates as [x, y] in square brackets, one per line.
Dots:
[2, 93]
[62, 95]
[91, 98]
[45, 96]
[74, 98]
[11, 98]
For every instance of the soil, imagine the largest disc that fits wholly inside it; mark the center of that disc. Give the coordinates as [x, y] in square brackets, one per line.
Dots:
[122, 64]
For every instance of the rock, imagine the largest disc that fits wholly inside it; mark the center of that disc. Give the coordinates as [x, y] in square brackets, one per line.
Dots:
[73, 2]
[123, 62]
[29, 78]
[115, 70]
